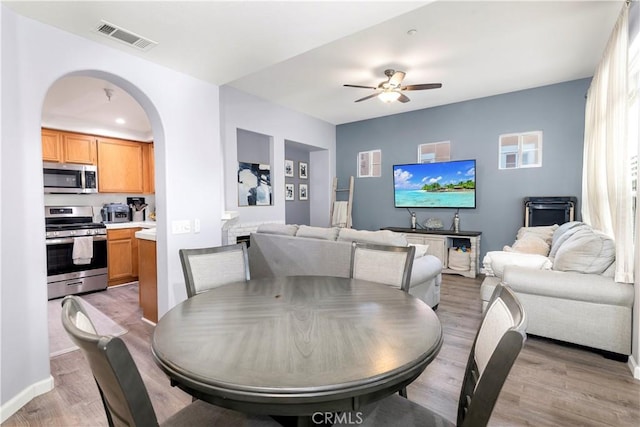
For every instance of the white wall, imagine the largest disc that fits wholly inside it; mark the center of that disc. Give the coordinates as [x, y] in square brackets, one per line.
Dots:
[243, 111]
[184, 113]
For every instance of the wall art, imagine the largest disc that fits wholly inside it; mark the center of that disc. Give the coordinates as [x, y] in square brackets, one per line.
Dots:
[254, 184]
[289, 191]
[303, 192]
[288, 168]
[303, 170]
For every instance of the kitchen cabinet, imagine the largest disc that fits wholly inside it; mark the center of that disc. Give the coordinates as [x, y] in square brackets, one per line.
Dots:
[51, 145]
[123, 166]
[122, 255]
[68, 147]
[148, 169]
[148, 280]
[120, 166]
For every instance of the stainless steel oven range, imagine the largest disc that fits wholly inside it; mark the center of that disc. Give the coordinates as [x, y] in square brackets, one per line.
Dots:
[76, 251]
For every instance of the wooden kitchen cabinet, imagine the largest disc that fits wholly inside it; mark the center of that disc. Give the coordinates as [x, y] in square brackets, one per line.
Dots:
[122, 255]
[148, 169]
[68, 147]
[79, 148]
[123, 166]
[120, 166]
[51, 145]
[148, 280]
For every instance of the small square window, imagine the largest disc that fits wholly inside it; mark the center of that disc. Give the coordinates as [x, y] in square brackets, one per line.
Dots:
[369, 164]
[520, 150]
[434, 152]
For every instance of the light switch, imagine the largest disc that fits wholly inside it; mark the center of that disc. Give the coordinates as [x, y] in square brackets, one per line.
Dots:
[181, 227]
[196, 225]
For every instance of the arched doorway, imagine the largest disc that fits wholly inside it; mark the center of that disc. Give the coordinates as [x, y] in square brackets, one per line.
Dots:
[105, 106]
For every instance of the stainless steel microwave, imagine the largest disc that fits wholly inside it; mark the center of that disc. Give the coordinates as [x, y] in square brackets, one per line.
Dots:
[70, 178]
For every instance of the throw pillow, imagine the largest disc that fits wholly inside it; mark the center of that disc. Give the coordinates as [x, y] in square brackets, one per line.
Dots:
[563, 233]
[421, 250]
[275, 228]
[586, 251]
[322, 233]
[529, 244]
[545, 232]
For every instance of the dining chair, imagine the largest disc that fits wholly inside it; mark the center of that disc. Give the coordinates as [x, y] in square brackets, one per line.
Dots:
[386, 264]
[497, 344]
[124, 396]
[207, 268]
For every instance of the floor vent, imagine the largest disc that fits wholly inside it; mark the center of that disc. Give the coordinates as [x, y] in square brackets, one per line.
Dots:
[124, 36]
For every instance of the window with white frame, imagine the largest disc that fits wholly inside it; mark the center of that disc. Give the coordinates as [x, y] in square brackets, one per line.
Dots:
[369, 163]
[434, 152]
[520, 150]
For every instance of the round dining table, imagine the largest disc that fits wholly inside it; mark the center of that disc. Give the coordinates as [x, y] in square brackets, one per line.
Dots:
[298, 345]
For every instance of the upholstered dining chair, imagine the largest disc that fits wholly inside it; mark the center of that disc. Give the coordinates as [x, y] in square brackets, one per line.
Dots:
[497, 344]
[386, 264]
[207, 268]
[390, 265]
[123, 393]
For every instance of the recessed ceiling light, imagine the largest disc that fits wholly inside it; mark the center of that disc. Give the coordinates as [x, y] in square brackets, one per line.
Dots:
[412, 31]
[120, 121]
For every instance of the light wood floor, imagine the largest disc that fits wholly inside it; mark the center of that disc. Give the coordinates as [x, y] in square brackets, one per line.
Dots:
[550, 385]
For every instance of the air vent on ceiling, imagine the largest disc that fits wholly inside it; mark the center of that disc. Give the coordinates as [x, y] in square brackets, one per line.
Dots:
[125, 36]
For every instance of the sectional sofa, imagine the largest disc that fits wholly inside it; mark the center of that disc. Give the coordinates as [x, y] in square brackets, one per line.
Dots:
[569, 293]
[289, 250]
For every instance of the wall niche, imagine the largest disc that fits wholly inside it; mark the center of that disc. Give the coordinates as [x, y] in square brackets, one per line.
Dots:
[254, 172]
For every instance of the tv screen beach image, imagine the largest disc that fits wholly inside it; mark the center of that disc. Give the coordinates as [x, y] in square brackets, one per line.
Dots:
[435, 185]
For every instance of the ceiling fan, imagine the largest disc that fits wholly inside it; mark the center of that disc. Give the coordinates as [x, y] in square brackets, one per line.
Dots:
[391, 89]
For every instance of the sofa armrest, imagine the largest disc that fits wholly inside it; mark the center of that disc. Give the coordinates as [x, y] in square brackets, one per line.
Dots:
[424, 269]
[593, 288]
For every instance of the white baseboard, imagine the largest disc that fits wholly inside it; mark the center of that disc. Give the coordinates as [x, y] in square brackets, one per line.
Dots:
[148, 321]
[24, 397]
[635, 367]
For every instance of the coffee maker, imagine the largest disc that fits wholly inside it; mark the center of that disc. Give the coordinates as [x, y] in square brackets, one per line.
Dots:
[137, 208]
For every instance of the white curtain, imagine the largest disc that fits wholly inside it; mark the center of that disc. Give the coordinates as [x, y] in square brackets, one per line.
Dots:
[606, 186]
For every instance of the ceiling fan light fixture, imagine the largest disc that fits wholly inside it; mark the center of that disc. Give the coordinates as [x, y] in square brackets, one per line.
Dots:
[388, 96]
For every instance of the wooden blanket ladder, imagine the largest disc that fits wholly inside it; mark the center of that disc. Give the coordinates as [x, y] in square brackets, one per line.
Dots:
[340, 215]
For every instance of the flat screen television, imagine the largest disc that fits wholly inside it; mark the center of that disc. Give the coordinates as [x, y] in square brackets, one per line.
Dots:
[435, 185]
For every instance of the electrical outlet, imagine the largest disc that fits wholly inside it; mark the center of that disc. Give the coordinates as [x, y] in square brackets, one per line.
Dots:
[181, 227]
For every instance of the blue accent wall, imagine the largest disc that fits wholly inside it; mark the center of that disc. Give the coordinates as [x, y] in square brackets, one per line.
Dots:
[473, 128]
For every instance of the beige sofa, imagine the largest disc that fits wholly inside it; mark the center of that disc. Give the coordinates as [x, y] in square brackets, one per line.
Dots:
[291, 250]
[570, 294]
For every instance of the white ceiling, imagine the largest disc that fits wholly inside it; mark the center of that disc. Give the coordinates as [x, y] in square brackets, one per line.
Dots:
[299, 54]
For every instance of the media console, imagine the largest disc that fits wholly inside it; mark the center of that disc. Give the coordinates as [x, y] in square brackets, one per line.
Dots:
[447, 246]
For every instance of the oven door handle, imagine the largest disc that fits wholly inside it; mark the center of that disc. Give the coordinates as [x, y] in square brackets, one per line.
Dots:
[65, 240]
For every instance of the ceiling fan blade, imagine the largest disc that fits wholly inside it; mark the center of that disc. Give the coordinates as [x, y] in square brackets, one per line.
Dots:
[422, 86]
[403, 98]
[367, 97]
[396, 78]
[361, 87]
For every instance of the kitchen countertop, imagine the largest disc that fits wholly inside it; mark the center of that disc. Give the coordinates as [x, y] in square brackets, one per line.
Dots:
[130, 224]
[146, 234]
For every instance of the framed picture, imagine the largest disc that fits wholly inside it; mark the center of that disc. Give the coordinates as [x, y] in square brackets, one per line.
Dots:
[303, 170]
[254, 184]
[288, 168]
[303, 192]
[289, 191]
